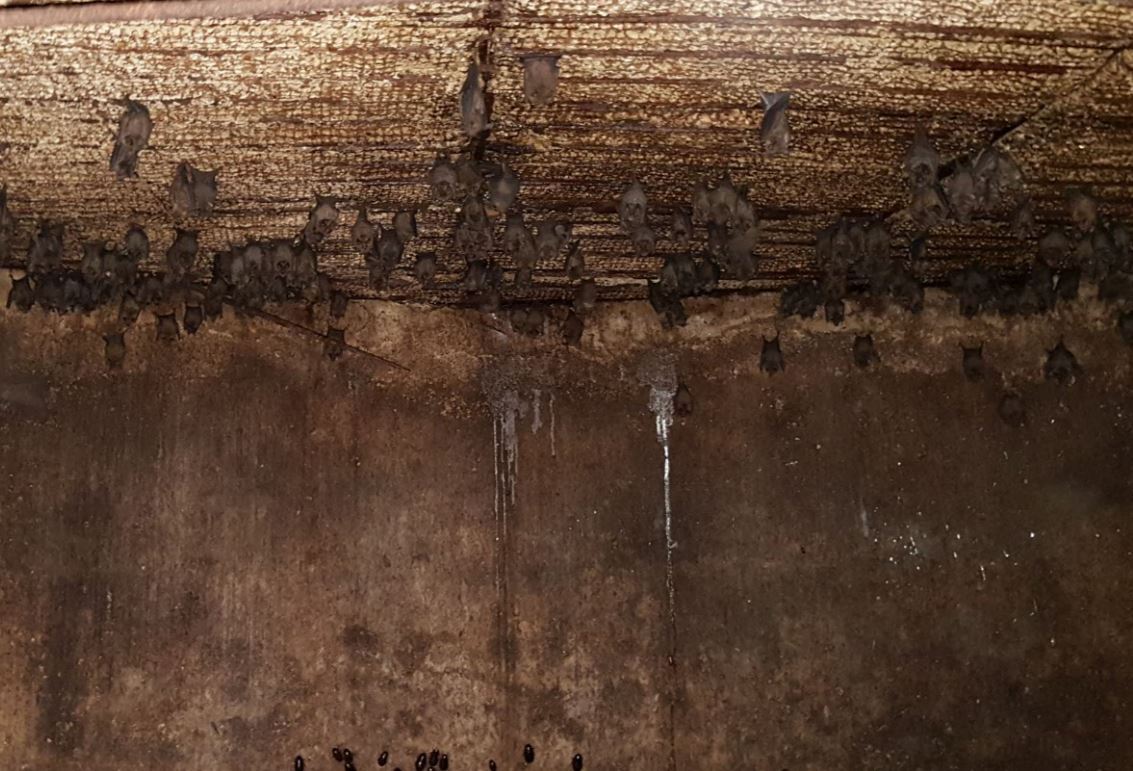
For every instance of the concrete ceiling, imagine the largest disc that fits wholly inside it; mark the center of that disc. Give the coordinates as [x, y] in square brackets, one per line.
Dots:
[356, 102]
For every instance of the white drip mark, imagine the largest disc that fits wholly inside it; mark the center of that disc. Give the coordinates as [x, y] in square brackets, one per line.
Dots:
[504, 410]
[496, 501]
[863, 515]
[551, 409]
[662, 388]
[536, 416]
[661, 404]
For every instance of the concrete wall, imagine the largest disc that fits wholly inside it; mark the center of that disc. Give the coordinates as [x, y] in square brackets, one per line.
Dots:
[234, 550]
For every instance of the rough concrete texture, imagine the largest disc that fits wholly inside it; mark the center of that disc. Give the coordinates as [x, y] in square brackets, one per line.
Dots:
[234, 550]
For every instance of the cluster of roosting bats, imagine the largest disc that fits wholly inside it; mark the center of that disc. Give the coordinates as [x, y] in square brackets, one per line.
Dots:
[425, 760]
[716, 236]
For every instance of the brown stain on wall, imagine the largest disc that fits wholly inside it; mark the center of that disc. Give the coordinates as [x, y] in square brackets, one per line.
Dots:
[234, 550]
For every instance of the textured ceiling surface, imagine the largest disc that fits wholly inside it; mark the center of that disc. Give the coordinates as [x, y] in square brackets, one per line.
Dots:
[357, 102]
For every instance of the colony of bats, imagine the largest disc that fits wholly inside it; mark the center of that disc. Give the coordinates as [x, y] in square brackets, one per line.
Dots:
[716, 237]
[426, 760]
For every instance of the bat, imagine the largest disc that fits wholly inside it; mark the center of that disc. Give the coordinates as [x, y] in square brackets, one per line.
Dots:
[632, 207]
[473, 105]
[771, 357]
[775, 130]
[1012, 410]
[321, 221]
[973, 362]
[865, 354]
[115, 349]
[540, 79]
[1061, 365]
[922, 162]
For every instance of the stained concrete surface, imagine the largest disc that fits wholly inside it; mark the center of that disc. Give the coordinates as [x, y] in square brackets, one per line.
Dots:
[235, 550]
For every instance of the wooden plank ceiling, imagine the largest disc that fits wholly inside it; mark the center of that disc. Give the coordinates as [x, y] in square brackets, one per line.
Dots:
[357, 102]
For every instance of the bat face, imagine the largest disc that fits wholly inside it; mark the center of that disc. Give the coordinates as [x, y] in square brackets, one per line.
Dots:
[335, 344]
[277, 290]
[194, 317]
[405, 225]
[906, 290]
[681, 228]
[134, 129]
[1054, 246]
[723, 200]
[547, 241]
[115, 350]
[91, 265]
[585, 297]
[921, 162]
[973, 362]
[575, 263]
[928, 208]
[192, 193]
[1066, 287]
[1023, 219]
[322, 220]
[518, 242]
[282, 255]
[540, 79]
[475, 276]
[632, 207]
[799, 300]
[443, 180]
[1012, 410]
[137, 243]
[255, 259]
[469, 179]
[46, 250]
[644, 243]
[771, 357]
[682, 401]
[701, 203]
[338, 304]
[425, 268]
[182, 253]
[707, 276]
[865, 355]
[1125, 327]
[667, 305]
[961, 188]
[214, 298]
[7, 225]
[503, 188]
[572, 328]
[835, 311]
[1083, 210]
[1061, 365]
[167, 329]
[135, 126]
[21, 296]
[362, 233]
[488, 300]
[775, 131]
[390, 249]
[473, 105]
